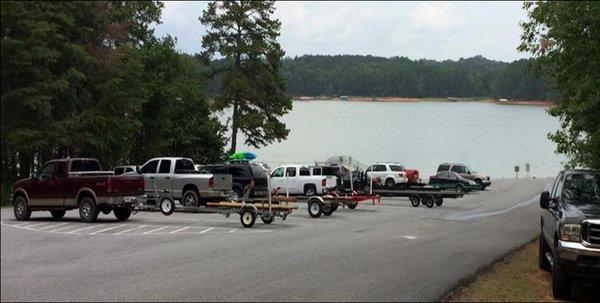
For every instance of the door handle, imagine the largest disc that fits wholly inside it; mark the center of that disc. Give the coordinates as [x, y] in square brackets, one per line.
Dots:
[167, 177]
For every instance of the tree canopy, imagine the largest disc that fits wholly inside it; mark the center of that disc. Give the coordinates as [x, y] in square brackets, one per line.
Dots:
[245, 34]
[91, 79]
[564, 38]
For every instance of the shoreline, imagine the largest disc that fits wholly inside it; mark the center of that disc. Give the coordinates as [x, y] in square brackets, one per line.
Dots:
[542, 103]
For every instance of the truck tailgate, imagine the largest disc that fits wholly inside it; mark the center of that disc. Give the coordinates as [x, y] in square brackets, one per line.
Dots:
[222, 182]
[127, 185]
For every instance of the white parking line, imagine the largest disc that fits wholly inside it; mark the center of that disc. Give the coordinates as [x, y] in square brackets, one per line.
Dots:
[38, 224]
[128, 230]
[50, 226]
[206, 230]
[157, 229]
[106, 229]
[181, 229]
[233, 230]
[82, 229]
[62, 228]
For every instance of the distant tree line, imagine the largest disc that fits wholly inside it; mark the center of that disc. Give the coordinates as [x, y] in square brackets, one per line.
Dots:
[399, 76]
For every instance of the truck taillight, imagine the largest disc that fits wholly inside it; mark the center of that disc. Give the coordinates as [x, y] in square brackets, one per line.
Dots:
[324, 182]
[109, 185]
[211, 182]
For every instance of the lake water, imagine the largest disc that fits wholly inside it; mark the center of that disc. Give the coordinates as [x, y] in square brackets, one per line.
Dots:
[490, 138]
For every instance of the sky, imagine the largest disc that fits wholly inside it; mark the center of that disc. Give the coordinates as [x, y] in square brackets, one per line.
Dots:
[430, 30]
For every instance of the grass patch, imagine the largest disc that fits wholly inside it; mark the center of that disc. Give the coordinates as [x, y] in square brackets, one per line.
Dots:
[515, 278]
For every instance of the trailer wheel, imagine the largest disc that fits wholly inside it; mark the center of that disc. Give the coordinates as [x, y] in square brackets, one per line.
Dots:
[315, 208]
[167, 207]
[439, 200]
[428, 200]
[352, 205]
[268, 219]
[415, 200]
[248, 217]
[334, 206]
[123, 213]
[328, 209]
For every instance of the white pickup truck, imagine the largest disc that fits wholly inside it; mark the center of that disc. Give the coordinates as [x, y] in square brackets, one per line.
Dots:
[297, 179]
[180, 177]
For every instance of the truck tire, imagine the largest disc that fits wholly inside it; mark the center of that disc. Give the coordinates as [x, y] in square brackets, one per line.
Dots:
[480, 184]
[189, 198]
[390, 183]
[106, 211]
[58, 213]
[315, 208]
[328, 209]
[352, 205]
[167, 206]
[428, 201]
[88, 211]
[267, 219]
[438, 200]
[415, 200]
[248, 217]
[21, 209]
[123, 213]
[460, 189]
[561, 285]
[310, 190]
[543, 262]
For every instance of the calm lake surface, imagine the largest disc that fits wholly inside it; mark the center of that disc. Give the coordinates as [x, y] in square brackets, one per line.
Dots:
[491, 138]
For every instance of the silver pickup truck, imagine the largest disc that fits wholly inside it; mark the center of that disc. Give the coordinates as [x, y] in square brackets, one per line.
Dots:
[179, 176]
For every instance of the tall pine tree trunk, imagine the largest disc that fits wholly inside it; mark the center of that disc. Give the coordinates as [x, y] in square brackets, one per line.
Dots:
[234, 127]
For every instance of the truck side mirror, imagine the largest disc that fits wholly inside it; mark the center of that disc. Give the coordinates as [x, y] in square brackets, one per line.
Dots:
[545, 200]
[138, 169]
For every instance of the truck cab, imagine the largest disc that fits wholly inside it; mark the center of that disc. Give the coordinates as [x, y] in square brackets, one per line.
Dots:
[298, 179]
[570, 230]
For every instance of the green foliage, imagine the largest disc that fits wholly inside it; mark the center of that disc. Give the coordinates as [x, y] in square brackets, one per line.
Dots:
[91, 79]
[244, 33]
[564, 38]
[400, 76]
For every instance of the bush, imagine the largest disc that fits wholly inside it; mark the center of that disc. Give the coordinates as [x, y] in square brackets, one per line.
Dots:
[5, 194]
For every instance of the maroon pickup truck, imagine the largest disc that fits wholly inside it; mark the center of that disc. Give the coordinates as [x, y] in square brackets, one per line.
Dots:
[67, 184]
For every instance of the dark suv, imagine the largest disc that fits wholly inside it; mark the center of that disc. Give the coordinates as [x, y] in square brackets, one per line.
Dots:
[570, 236]
[242, 174]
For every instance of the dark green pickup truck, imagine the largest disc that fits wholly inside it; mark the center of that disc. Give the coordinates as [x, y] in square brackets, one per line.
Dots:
[570, 230]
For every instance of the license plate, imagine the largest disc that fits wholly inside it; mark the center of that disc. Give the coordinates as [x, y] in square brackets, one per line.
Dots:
[127, 199]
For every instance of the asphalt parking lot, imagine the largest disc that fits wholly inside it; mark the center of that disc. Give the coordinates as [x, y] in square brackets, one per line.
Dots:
[386, 252]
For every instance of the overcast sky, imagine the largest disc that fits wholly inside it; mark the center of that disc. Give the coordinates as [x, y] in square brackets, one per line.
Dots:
[431, 30]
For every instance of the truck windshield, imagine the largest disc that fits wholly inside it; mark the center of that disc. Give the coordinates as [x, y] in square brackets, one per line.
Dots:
[582, 188]
[85, 165]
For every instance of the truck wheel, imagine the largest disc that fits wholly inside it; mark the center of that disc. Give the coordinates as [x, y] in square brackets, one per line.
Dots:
[88, 211]
[334, 206]
[327, 209]
[58, 214]
[267, 219]
[459, 189]
[189, 198]
[310, 191]
[480, 184]
[352, 205]
[248, 217]
[315, 208]
[123, 213]
[439, 200]
[21, 209]
[389, 183]
[543, 262]
[561, 285]
[415, 200]
[428, 201]
[167, 207]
